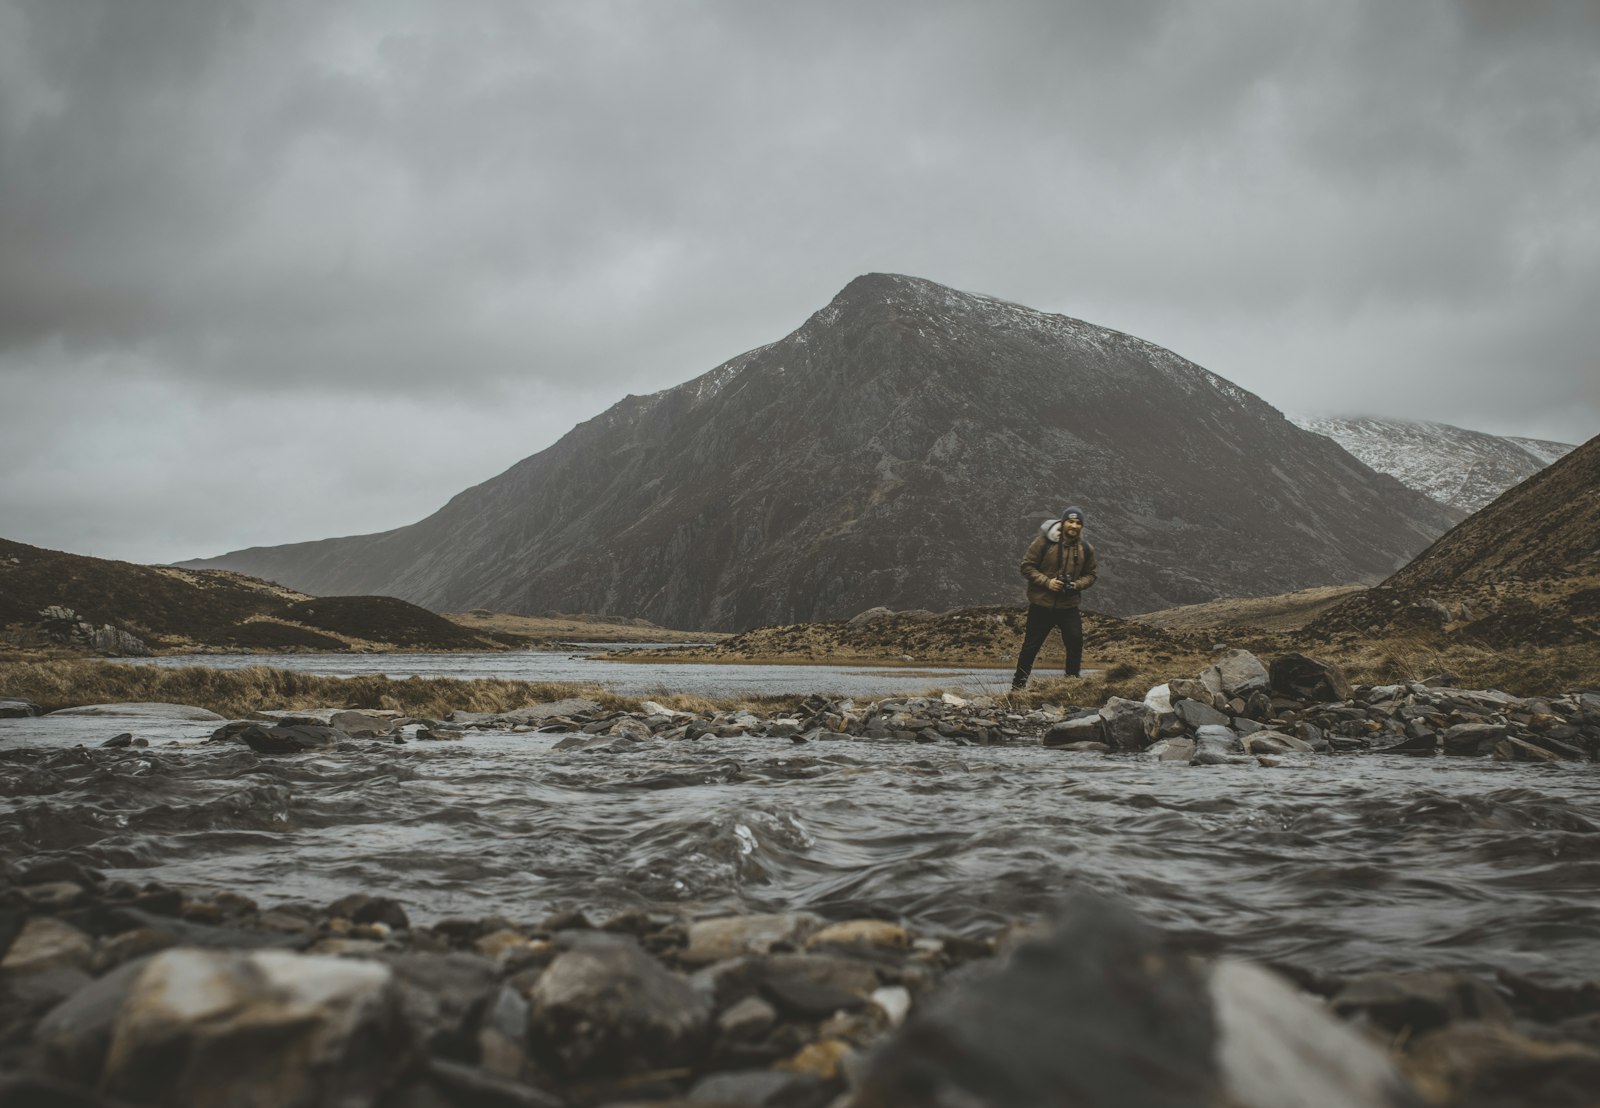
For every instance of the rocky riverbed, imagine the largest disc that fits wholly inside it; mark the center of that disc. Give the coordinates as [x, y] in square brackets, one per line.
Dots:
[1256, 886]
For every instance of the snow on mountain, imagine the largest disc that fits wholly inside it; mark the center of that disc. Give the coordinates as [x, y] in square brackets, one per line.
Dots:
[1455, 466]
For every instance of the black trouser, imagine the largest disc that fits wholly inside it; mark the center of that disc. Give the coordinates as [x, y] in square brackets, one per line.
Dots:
[1041, 621]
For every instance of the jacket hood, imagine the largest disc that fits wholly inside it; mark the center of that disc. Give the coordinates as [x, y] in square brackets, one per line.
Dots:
[1051, 530]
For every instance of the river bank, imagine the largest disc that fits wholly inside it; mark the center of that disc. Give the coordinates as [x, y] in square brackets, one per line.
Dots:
[471, 889]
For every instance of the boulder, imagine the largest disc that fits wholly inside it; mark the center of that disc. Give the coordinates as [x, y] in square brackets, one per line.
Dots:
[605, 1008]
[1305, 678]
[1088, 728]
[289, 738]
[45, 943]
[142, 709]
[1100, 1013]
[1274, 742]
[1492, 1065]
[713, 940]
[15, 708]
[1277, 1047]
[873, 934]
[1187, 688]
[1125, 723]
[114, 640]
[217, 1029]
[363, 724]
[1471, 739]
[1218, 746]
[1196, 715]
[1180, 750]
[1242, 674]
[869, 616]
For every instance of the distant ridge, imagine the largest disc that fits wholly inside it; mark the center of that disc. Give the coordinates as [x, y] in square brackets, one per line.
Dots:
[1465, 469]
[899, 449]
[1524, 569]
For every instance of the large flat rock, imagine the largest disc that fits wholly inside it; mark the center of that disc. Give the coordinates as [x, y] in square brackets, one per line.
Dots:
[145, 709]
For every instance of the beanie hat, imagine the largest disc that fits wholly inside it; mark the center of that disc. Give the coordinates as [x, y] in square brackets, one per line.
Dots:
[1073, 513]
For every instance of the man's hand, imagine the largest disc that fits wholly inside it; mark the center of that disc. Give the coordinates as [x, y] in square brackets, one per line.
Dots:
[1056, 584]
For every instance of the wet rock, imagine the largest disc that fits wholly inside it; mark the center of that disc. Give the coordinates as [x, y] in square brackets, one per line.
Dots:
[747, 1020]
[230, 731]
[1084, 748]
[194, 1023]
[463, 1086]
[440, 996]
[1480, 1064]
[1519, 750]
[1179, 750]
[1099, 1014]
[1418, 1002]
[44, 943]
[129, 945]
[1274, 742]
[764, 1089]
[143, 709]
[361, 908]
[1303, 678]
[72, 1039]
[1087, 728]
[1470, 739]
[1196, 715]
[289, 738]
[1242, 674]
[1276, 1047]
[117, 742]
[604, 1007]
[1125, 723]
[870, 934]
[365, 724]
[715, 940]
[15, 708]
[1217, 746]
[53, 896]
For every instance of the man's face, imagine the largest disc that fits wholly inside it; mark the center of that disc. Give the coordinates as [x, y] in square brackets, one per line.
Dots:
[1071, 528]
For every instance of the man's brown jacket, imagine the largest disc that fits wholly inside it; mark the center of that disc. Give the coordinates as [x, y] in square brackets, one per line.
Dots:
[1045, 560]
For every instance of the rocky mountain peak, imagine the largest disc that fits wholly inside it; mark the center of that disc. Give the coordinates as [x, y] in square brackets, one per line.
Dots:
[897, 449]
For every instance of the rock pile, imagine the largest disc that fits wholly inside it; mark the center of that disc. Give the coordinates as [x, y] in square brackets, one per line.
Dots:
[65, 626]
[114, 994]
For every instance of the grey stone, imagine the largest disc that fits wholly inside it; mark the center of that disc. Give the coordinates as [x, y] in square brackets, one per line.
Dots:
[289, 738]
[141, 709]
[1197, 715]
[1275, 1047]
[72, 1039]
[604, 1007]
[365, 724]
[1471, 739]
[1088, 728]
[114, 640]
[192, 1027]
[715, 940]
[1242, 674]
[1125, 723]
[1101, 1013]
[764, 1089]
[1179, 750]
[1187, 688]
[14, 708]
[1304, 678]
[1274, 742]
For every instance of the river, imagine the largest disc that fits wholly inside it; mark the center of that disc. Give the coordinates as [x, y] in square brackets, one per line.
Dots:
[1347, 862]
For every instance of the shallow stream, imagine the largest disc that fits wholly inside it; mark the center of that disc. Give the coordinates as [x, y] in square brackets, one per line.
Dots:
[1347, 862]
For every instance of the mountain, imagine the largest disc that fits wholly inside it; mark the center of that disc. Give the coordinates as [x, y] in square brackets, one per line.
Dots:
[898, 449]
[1524, 569]
[1465, 469]
[48, 597]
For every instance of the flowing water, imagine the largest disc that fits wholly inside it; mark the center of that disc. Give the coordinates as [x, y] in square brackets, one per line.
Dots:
[1343, 863]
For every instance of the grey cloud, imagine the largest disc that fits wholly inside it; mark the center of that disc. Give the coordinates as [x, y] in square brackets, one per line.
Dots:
[506, 203]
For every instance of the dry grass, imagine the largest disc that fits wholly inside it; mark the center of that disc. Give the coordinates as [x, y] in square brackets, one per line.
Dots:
[1288, 612]
[1521, 671]
[236, 693]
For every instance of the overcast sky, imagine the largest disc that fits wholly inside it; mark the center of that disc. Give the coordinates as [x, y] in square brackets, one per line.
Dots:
[289, 269]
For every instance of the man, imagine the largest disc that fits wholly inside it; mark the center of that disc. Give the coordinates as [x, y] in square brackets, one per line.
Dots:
[1059, 565]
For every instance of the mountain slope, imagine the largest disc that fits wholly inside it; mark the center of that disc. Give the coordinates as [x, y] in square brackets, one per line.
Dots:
[1525, 569]
[1465, 469]
[898, 449]
[163, 606]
